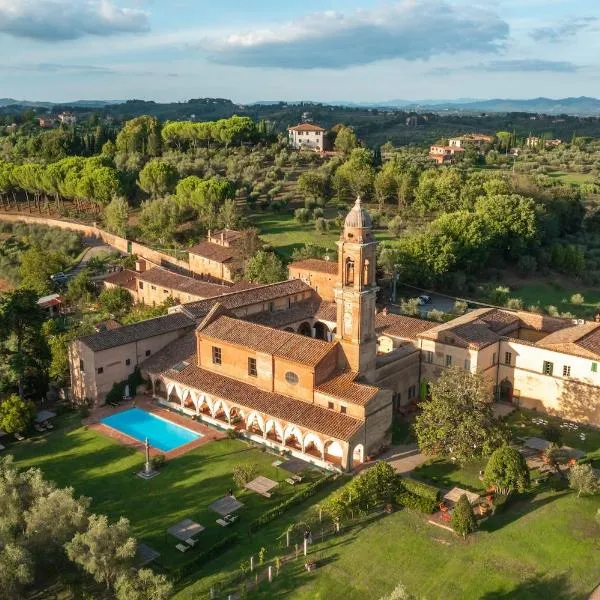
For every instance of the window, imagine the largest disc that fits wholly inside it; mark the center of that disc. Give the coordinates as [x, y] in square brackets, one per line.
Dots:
[343, 410]
[216, 355]
[165, 291]
[252, 367]
[594, 367]
[494, 358]
[429, 356]
[141, 285]
[271, 306]
[547, 368]
[448, 360]
[127, 361]
[147, 352]
[330, 405]
[153, 287]
[100, 370]
[567, 371]
[508, 358]
[467, 364]
[412, 392]
[291, 378]
[81, 366]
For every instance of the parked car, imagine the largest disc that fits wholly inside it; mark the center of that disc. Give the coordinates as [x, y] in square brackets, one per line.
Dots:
[59, 278]
[422, 300]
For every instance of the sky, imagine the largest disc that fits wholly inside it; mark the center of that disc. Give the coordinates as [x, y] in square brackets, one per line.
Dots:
[336, 50]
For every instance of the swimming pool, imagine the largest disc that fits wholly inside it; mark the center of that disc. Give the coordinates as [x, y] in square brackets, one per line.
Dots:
[161, 434]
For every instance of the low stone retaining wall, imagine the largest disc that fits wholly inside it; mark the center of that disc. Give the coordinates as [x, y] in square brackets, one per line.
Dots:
[121, 244]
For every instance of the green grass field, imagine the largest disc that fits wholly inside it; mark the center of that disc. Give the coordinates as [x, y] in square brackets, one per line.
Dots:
[547, 294]
[572, 178]
[98, 467]
[285, 235]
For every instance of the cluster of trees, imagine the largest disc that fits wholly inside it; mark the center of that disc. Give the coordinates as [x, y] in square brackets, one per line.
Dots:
[92, 182]
[188, 135]
[45, 529]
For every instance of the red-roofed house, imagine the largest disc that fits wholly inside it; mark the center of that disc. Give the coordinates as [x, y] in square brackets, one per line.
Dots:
[307, 135]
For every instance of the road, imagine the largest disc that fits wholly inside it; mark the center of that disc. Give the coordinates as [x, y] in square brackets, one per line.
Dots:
[438, 302]
[94, 247]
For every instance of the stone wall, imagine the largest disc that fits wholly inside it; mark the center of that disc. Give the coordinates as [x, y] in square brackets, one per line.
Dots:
[121, 244]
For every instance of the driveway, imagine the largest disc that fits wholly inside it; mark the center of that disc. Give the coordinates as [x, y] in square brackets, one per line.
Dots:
[404, 458]
[93, 247]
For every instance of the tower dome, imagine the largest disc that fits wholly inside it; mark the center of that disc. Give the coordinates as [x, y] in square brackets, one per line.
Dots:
[358, 217]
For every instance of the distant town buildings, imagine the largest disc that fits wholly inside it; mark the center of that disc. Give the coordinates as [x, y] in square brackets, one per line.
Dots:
[307, 136]
[445, 154]
[538, 142]
[46, 122]
[67, 118]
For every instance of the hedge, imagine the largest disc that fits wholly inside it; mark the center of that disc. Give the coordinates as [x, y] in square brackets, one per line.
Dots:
[420, 503]
[418, 488]
[279, 509]
[500, 502]
[203, 556]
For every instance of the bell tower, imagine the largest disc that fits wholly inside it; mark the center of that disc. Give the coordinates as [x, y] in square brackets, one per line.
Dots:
[356, 291]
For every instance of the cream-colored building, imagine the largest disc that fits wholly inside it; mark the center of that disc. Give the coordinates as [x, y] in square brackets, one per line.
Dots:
[531, 360]
[307, 136]
[218, 258]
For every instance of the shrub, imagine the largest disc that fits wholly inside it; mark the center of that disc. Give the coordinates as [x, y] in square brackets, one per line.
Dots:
[463, 519]
[500, 502]
[302, 215]
[552, 433]
[577, 299]
[158, 461]
[526, 265]
[243, 473]
[514, 304]
[321, 225]
[584, 480]
[318, 212]
[419, 488]
[408, 500]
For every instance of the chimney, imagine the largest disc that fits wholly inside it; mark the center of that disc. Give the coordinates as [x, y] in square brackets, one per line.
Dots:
[140, 265]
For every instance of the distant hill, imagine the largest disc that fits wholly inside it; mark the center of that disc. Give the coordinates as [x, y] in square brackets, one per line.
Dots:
[42, 104]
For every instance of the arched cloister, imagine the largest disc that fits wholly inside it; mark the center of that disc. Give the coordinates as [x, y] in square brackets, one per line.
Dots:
[293, 437]
[290, 329]
[189, 402]
[204, 406]
[160, 389]
[305, 329]
[221, 411]
[334, 453]
[321, 331]
[255, 423]
[313, 445]
[274, 431]
[174, 396]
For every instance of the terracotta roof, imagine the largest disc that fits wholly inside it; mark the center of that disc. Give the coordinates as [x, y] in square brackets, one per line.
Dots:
[326, 311]
[214, 252]
[284, 344]
[182, 349]
[298, 311]
[247, 297]
[343, 385]
[468, 330]
[305, 127]
[136, 332]
[316, 264]
[542, 322]
[501, 321]
[303, 414]
[125, 279]
[167, 279]
[580, 340]
[401, 326]
[229, 235]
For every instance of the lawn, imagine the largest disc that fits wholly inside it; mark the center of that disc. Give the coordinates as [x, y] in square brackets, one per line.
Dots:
[98, 467]
[572, 178]
[541, 548]
[545, 294]
[285, 235]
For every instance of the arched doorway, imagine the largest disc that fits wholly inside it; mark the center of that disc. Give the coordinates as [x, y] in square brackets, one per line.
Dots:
[205, 407]
[358, 454]
[293, 438]
[321, 331]
[313, 445]
[236, 417]
[305, 329]
[188, 402]
[274, 432]
[334, 453]
[255, 424]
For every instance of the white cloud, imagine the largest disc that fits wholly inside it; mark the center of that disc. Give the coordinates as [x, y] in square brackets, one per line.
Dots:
[55, 20]
[410, 29]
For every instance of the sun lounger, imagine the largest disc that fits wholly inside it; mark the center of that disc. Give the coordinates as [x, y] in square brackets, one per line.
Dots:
[39, 428]
[19, 437]
[191, 542]
[182, 547]
[223, 523]
[231, 518]
[291, 481]
[297, 478]
[48, 425]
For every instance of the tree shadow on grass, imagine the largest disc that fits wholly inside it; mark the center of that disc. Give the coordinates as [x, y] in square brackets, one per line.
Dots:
[519, 507]
[556, 588]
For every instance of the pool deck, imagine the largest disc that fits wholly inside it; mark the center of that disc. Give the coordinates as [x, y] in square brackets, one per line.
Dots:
[145, 403]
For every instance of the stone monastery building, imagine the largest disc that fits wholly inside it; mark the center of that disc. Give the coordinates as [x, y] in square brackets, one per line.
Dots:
[309, 365]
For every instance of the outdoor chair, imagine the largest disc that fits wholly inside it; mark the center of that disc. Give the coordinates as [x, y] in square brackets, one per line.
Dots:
[297, 478]
[182, 547]
[223, 523]
[48, 425]
[39, 428]
[191, 541]
[19, 437]
[231, 518]
[291, 481]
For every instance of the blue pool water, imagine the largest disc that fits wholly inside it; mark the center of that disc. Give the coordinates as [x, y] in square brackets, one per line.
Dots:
[161, 434]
